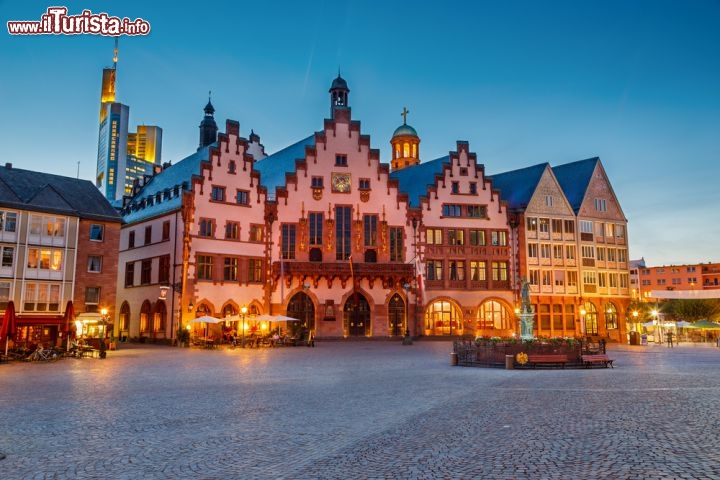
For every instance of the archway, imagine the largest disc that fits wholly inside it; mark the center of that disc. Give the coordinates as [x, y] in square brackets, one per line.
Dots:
[443, 318]
[396, 315]
[301, 307]
[356, 316]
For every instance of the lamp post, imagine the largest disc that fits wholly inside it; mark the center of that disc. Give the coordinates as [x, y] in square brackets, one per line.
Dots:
[243, 312]
[656, 321]
[104, 313]
[177, 288]
[407, 340]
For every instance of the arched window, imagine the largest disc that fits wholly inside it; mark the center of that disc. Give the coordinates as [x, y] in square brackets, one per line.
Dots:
[591, 319]
[414, 150]
[406, 149]
[159, 317]
[493, 315]
[124, 318]
[611, 322]
[229, 310]
[443, 318]
[145, 312]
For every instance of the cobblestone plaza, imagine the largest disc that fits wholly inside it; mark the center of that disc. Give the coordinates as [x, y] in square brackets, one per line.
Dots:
[359, 410]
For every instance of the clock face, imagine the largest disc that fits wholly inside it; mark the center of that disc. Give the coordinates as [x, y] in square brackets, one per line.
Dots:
[341, 182]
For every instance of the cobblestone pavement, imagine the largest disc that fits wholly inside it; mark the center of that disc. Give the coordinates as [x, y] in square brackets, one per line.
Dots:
[359, 410]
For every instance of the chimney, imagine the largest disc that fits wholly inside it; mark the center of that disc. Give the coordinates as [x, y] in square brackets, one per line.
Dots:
[8, 165]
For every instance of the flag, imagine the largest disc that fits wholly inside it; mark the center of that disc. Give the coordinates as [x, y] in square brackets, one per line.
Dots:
[282, 278]
[352, 271]
[420, 279]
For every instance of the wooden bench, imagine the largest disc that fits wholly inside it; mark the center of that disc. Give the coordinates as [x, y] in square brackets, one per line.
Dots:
[557, 359]
[590, 360]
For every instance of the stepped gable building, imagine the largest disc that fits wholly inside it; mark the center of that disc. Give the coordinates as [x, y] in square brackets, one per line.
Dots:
[324, 232]
[602, 247]
[59, 240]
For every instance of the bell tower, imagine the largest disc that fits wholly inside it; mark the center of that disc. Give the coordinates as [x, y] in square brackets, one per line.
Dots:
[405, 145]
[338, 95]
[208, 127]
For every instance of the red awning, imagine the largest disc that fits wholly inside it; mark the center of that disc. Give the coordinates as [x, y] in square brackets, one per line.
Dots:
[37, 320]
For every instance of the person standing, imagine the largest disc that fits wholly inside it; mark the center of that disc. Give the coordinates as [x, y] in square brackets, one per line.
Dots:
[670, 340]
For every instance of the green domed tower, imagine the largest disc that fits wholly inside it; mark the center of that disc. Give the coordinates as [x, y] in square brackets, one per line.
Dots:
[405, 145]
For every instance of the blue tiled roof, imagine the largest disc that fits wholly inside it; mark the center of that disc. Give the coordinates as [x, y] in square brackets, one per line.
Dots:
[44, 192]
[274, 167]
[518, 186]
[574, 179]
[415, 180]
[170, 177]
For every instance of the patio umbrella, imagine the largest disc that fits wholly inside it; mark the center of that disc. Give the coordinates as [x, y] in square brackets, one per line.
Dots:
[283, 318]
[707, 325]
[207, 319]
[684, 324]
[8, 326]
[68, 319]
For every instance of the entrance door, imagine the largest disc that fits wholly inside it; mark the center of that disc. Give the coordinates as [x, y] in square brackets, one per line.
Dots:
[302, 308]
[357, 316]
[396, 315]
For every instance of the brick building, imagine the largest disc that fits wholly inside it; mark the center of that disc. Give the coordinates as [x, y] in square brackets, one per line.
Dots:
[59, 240]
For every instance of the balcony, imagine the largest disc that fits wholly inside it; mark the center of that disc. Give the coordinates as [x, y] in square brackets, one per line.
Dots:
[396, 271]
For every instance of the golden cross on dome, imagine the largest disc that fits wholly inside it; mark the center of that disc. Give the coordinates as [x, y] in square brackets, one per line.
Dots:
[404, 115]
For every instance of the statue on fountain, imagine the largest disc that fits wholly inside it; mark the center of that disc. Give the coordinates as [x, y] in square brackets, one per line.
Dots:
[526, 311]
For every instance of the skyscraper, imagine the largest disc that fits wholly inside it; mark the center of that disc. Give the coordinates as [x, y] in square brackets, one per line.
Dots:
[122, 156]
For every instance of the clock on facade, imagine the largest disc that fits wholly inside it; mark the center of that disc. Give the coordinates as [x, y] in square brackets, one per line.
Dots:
[341, 182]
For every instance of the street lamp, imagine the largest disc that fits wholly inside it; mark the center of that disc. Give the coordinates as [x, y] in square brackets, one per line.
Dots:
[104, 313]
[243, 312]
[656, 321]
[177, 288]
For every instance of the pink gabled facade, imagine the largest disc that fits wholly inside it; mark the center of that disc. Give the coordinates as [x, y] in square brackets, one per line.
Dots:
[323, 232]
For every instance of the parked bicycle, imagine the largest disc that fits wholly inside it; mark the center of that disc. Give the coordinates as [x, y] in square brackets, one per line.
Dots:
[43, 355]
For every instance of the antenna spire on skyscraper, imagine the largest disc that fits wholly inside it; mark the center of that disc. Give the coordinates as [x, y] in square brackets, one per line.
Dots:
[115, 54]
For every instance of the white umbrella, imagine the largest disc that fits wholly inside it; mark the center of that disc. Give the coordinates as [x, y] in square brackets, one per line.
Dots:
[283, 318]
[207, 319]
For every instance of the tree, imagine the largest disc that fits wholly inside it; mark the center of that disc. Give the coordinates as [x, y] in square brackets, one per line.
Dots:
[693, 310]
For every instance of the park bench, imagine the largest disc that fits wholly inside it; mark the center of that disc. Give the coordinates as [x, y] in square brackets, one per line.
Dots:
[600, 359]
[550, 359]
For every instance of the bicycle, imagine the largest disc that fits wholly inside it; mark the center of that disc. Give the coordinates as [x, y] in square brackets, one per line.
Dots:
[43, 355]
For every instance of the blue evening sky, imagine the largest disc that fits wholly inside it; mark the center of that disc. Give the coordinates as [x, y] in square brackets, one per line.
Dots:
[636, 83]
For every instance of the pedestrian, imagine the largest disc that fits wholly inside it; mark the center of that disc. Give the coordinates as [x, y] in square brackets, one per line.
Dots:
[670, 340]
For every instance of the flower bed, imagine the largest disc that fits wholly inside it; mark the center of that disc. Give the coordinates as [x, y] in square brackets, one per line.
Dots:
[491, 351]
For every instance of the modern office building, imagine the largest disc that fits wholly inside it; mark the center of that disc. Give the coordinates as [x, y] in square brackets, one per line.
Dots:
[122, 156]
